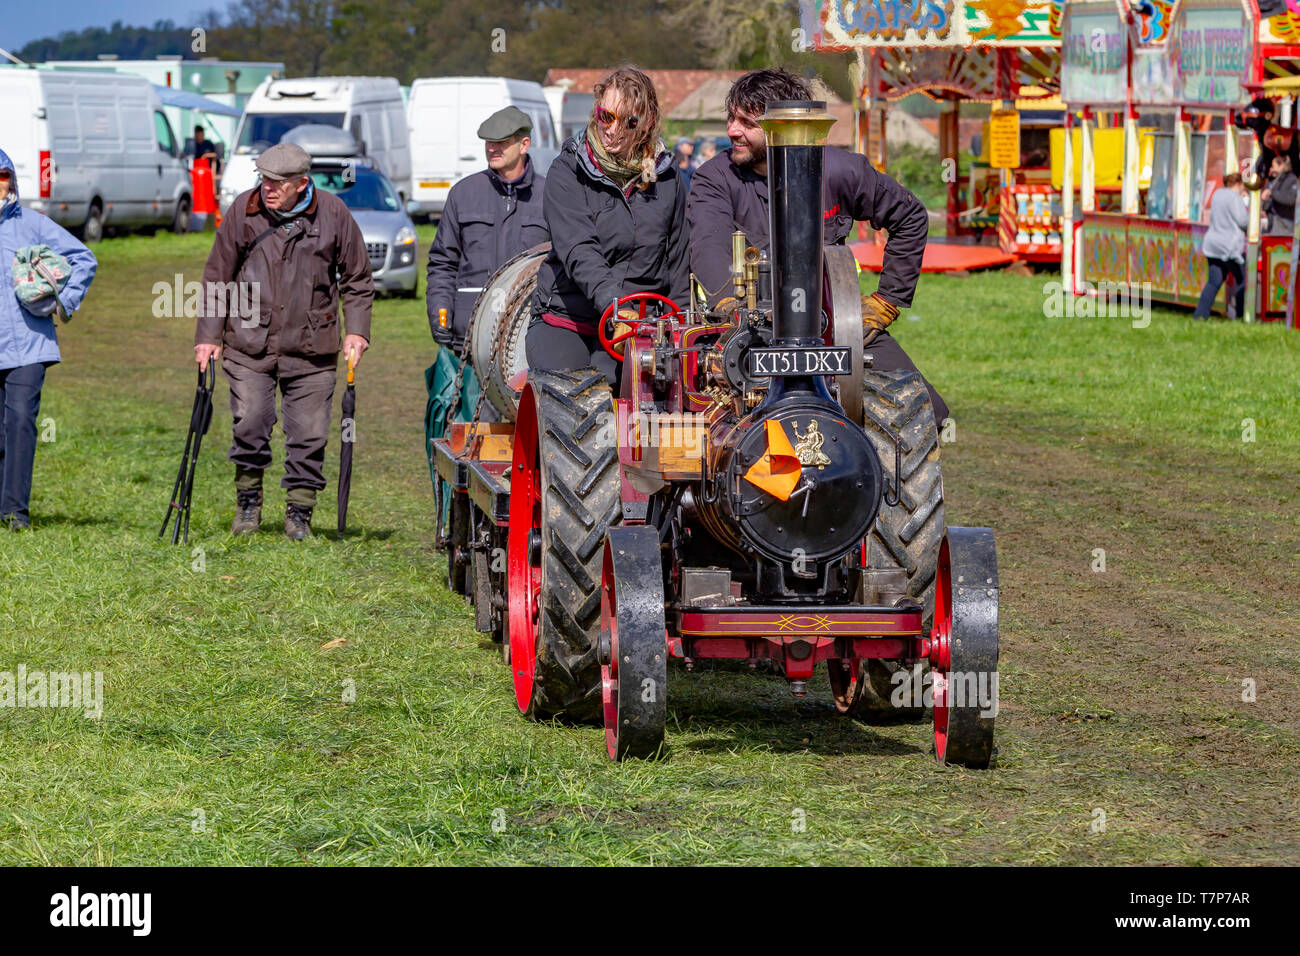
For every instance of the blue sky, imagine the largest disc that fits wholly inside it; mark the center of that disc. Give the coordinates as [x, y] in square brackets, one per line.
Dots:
[24, 22]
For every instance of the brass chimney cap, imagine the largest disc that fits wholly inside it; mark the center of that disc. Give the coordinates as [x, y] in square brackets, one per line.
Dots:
[796, 123]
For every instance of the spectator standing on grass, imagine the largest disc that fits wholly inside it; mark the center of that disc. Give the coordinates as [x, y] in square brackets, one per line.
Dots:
[301, 249]
[28, 343]
[202, 147]
[682, 160]
[1280, 196]
[1224, 245]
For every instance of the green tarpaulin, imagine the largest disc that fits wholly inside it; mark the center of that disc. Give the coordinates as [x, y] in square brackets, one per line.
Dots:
[440, 380]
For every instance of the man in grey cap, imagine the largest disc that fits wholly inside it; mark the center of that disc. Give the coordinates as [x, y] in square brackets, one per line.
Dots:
[490, 217]
[284, 256]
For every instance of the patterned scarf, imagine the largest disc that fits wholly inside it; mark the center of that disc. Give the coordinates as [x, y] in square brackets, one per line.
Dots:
[623, 171]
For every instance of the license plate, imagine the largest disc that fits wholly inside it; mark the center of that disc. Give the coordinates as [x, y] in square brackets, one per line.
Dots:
[434, 183]
[798, 361]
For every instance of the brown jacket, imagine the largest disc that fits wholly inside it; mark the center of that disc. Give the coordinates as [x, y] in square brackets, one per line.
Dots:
[294, 272]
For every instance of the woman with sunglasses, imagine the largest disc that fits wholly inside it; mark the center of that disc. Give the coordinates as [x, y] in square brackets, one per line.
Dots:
[616, 210]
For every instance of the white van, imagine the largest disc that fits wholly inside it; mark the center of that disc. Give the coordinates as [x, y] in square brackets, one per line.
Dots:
[569, 110]
[445, 113]
[369, 107]
[93, 149]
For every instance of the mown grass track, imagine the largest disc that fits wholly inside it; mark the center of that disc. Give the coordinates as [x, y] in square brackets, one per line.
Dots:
[1121, 690]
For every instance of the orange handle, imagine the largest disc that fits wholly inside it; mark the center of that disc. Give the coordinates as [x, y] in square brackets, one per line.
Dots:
[350, 367]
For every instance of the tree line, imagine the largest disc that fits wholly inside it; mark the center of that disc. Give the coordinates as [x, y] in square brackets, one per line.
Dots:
[410, 38]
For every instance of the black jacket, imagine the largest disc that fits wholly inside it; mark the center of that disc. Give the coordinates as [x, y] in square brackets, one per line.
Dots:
[1281, 204]
[605, 244]
[725, 197]
[484, 223]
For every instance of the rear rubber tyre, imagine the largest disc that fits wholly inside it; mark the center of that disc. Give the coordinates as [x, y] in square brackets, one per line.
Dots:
[633, 644]
[92, 230]
[181, 218]
[481, 588]
[844, 677]
[907, 536]
[564, 497]
[458, 555]
[440, 505]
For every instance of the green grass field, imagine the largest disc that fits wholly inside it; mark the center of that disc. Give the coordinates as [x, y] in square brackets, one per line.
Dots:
[236, 729]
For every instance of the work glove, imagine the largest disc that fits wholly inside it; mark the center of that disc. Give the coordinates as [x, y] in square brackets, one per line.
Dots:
[877, 314]
[623, 325]
[441, 326]
[727, 306]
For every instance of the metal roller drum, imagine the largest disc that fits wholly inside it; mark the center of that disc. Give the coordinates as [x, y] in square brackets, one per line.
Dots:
[497, 327]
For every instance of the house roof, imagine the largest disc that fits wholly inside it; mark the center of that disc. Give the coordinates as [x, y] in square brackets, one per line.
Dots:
[698, 96]
[673, 86]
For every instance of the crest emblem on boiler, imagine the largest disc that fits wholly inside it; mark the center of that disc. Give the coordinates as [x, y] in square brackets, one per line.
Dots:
[808, 447]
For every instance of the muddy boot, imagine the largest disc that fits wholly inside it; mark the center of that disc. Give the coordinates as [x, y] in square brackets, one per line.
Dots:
[297, 512]
[248, 501]
[248, 511]
[297, 522]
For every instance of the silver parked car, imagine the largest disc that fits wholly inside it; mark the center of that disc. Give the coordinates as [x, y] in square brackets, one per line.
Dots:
[387, 229]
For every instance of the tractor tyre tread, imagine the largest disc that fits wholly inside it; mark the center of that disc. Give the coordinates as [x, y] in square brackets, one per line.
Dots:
[906, 535]
[580, 501]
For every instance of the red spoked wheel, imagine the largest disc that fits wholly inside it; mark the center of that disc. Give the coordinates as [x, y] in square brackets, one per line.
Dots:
[964, 648]
[605, 331]
[633, 647]
[524, 562]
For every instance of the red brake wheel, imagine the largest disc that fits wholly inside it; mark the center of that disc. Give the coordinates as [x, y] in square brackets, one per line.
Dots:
[607, 342]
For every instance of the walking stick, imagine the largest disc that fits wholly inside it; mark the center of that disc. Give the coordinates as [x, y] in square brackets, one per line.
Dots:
[183, 489]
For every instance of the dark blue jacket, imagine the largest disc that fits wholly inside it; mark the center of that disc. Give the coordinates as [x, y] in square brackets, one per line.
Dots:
[726, 197]
[484, 223]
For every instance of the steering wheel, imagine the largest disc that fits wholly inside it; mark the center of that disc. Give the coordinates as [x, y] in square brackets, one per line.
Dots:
[608, 343]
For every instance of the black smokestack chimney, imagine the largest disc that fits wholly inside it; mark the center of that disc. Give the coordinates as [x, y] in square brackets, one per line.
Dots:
[796, 155]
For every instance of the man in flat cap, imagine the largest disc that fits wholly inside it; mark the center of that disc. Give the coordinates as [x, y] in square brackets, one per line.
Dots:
[284, 256]
[489, 217]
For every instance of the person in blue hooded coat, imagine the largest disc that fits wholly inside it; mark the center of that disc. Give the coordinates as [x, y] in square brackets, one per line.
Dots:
[28, 343]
